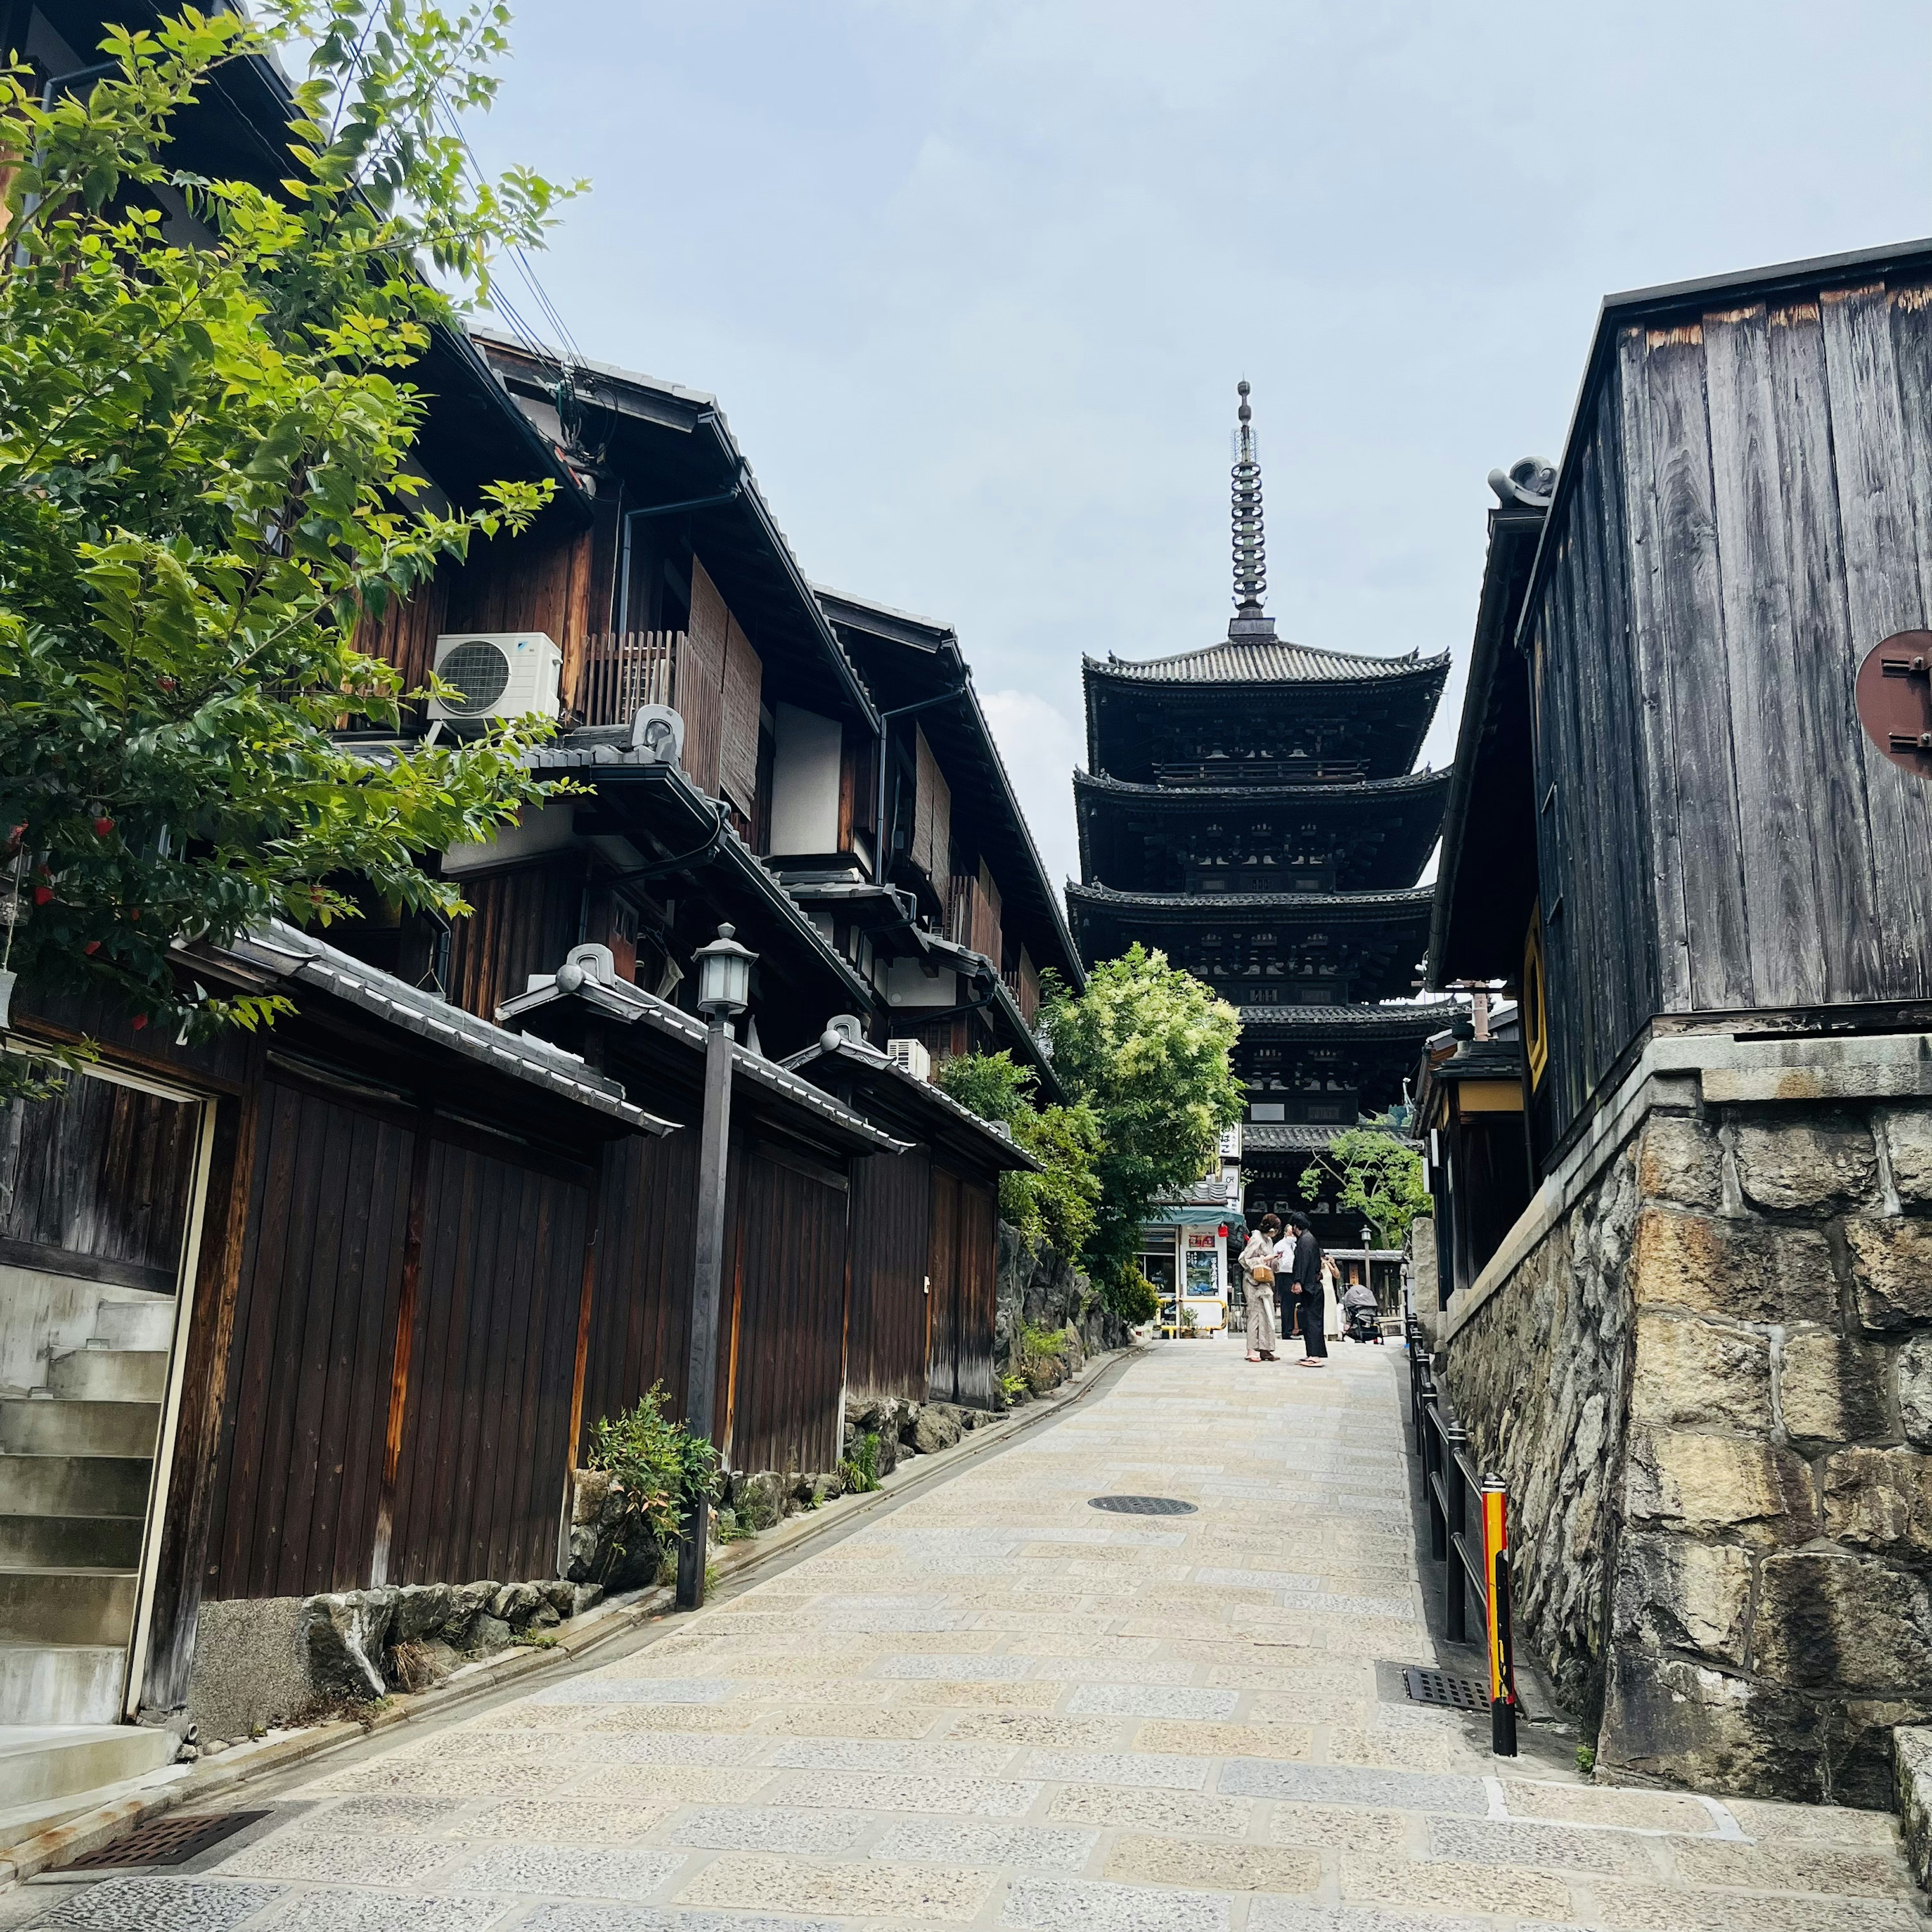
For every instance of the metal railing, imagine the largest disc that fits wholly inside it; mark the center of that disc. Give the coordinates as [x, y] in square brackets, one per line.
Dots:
[1476, 1563]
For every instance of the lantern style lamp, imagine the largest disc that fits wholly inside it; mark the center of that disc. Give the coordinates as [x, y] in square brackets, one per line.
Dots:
[723, 992]
[723, 976]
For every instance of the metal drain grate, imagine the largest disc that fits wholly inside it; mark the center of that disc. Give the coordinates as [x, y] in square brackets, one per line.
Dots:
[167, 1841]
[1141, 1505]
[1454, 1693]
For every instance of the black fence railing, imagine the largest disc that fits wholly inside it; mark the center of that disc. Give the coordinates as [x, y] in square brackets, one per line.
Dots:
[1467, 1535]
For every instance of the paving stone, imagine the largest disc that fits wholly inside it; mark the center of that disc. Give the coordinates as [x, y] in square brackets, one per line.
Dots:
[1126, 1806]
[1269, 1741]
[842, 1692]
[696, 1784]
[1152, 1700]
[1219, 1866]
[1765, 1819]
[1334, 1825]
[765, 1827]
[320, 1911]
[1020, 1727]
[676, 1747]
[949, 1796]
[1063, 1905]
[618, 1918]
[1594, 1804]
[1024, 1845]
[566, 1872]
[865, 1887]
[1151, 1770]
[1780, 1868]
[1102, 1667]
[899, 1721]
[1277, 1915]
[956, 1668]
[160, 1905]
[1345, 1784]
[671, 1717]
[634, 1691]
[1403, 1750]
[884, 1755]
[1436, 1884]
[1646, 1909]
[385, 1817]
[343, 1859]
[1546, 1847]
[559, 1822]
[985, 1696]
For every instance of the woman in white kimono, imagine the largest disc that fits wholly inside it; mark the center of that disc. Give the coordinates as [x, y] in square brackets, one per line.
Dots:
[1258, 1269]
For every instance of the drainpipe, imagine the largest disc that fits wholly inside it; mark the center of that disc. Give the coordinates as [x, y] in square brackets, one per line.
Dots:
[886, 717]
[630, 516]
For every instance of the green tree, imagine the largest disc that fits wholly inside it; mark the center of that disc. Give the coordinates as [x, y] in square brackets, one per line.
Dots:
[1147, 1047]
[206, 485]
[1377, 1175]
[1058, 1204]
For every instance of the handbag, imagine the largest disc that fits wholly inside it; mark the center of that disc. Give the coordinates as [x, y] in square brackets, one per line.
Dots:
[1261, 1275]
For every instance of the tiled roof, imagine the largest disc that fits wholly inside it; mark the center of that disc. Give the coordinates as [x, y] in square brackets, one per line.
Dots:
[1344, 791]
[1265, 660]
[1279, 1139]
[1397, 1018]
[1335, 907]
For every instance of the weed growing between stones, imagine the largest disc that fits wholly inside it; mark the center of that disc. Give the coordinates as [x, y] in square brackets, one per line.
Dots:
[660, 1467]
[860, 1471]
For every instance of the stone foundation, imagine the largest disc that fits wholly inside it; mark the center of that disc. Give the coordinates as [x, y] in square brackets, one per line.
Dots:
[1703, 1364]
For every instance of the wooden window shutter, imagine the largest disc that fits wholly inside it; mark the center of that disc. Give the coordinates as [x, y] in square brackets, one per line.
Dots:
[700, 694]
[738, 747]
[932, 835]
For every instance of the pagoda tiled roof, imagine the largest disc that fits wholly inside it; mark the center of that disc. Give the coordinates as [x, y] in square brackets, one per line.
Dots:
[1348, 791]
[1291, 1138]
[1396, 1019]
[1249, 660]
[1335, 907]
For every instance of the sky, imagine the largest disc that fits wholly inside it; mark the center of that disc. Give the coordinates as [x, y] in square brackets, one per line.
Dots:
[973, 279]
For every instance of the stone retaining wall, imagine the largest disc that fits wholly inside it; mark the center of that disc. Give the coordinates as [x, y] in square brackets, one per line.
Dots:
[1709, 1387]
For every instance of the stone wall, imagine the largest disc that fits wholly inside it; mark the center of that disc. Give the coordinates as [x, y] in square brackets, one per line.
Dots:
[1709, 1386]
[1038, 1287]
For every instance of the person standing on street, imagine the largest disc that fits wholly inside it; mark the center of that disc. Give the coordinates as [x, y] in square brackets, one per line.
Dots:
[1258, 1268]
[1305, 1276]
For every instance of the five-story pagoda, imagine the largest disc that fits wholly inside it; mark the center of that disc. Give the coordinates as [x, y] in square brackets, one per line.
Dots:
[1252, 810]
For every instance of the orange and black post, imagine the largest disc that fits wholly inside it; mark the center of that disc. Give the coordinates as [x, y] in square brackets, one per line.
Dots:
[1502, 1662]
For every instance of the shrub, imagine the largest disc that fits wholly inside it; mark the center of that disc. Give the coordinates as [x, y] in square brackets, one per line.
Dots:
[859, 1471]
[660, 1466]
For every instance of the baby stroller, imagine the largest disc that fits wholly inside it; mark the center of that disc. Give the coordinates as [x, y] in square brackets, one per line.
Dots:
[1361, 1317]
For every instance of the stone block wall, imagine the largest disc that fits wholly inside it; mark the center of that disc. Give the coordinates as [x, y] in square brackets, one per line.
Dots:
[1709, 1387]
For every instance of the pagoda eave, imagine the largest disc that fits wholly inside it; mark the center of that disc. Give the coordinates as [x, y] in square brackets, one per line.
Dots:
[1284, 908]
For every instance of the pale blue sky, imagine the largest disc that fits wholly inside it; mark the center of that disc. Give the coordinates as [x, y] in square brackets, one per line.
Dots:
[973, 279]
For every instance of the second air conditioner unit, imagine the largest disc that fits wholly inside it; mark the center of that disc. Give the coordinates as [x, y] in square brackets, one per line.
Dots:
[910, 1056]
[500, 674]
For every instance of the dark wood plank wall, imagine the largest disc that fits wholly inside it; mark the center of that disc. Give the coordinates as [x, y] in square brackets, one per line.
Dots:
[640, 1318]
[539, 581]
[1750, 513]
[104, 1174]
[699, 692]
[484, 1456]
[891, 1228]
[977, 1301]
[405, 634]
[522, 921]
[314, 1330]
[942, 1310]
[788, 1317]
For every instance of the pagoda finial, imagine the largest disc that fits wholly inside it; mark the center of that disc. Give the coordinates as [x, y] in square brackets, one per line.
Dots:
[1250, 545]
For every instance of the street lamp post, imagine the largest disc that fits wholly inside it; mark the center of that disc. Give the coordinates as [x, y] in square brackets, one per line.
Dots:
[724, 983]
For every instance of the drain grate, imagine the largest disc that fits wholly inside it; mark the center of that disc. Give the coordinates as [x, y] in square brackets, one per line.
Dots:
[167, 1841]
[1454, 1693]
[1141, 1505]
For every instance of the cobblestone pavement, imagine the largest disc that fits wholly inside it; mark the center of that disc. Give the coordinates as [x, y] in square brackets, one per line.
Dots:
[997, 1706]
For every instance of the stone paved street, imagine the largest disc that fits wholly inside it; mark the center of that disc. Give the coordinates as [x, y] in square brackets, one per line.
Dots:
[998, 1706]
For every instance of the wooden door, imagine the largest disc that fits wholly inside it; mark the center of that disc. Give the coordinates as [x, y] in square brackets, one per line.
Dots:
[943, 1302]
[976, 1303]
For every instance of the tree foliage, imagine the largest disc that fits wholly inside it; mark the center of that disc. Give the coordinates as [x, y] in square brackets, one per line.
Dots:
[205, 484]
[1147, 1047]
[1377, 1175]
[1058, 1204]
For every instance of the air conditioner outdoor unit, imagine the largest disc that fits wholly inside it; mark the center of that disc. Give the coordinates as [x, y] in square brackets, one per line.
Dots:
[910, 1056]
[500, 674]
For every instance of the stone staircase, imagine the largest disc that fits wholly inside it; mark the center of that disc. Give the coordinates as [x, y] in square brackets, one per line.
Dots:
[75, 1463]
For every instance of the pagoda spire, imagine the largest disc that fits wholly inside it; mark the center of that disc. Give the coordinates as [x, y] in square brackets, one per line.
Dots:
[1250, 543]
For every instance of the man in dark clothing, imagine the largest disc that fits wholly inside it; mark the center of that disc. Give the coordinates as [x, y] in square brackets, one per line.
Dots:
[1306, 1277]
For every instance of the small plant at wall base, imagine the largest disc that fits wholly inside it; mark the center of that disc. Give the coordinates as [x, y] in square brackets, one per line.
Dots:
[860, 1471]
[1148, 1048]
[659, 1465]
[206, 486]
[1377, 1176]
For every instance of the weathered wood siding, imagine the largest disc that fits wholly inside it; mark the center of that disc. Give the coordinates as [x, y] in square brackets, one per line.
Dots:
[964, 1264]
[1747, 512]
[788, 1287]
[522, 921]
[891, 1228]
[404, 1346]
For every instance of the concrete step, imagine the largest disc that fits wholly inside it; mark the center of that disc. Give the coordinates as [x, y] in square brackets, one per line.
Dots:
[109, 1375]
[60, 1683]
[56, 1428]
[147, 1323]
[48, 1761]
[75, 1485]
[82, 1606]
[69, 1542]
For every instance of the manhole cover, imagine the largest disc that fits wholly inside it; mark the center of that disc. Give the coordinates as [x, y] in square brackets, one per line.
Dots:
[1141, 1505]
[167, 1841]
[1455, 1693]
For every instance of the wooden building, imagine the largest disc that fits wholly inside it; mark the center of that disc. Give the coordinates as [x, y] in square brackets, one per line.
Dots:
[1689, 825]
[1252, 809]
[925, 1294]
